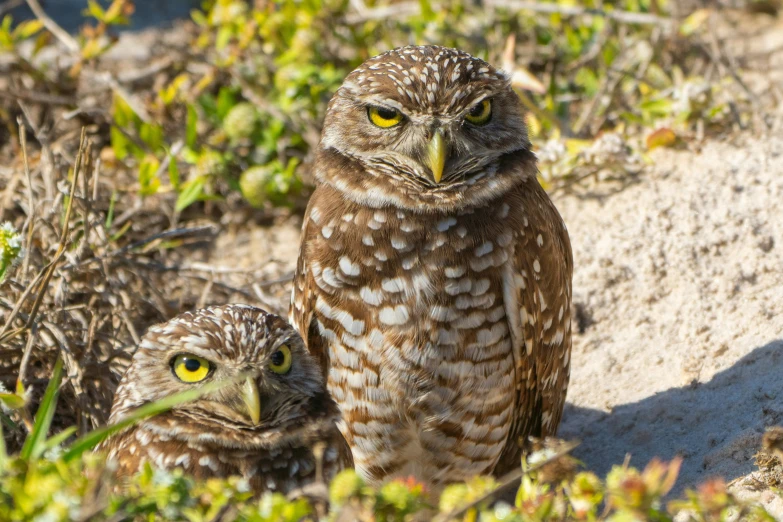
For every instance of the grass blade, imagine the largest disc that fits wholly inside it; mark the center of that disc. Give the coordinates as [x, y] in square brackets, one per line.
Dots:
[88, 441]
[56, 440]
[35, 442]
[3, 452]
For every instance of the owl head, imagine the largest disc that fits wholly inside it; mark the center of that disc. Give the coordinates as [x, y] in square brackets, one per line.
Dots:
[424, 127]
[276, 382]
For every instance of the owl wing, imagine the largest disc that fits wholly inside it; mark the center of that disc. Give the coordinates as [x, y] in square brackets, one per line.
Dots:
[538, 300]
[303, 295]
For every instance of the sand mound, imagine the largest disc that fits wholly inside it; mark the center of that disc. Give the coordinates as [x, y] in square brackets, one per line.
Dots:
[678, 293]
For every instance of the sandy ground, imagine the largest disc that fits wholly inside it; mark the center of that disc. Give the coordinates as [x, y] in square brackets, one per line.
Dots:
[678, 293]
[678, 309]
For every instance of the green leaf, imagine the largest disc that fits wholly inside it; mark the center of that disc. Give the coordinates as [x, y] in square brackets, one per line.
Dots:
[114, 14]
[661, 107]
[427, 12]
[148, 180]
[192, 191]
[199, 18]
[3, 452]
[694, 22]
[121, 232]
[13, 401]
[123, 113]
[110, 213]
[173, 172]
[27, 29]
[223, 37]
[35, 443]
[6, 25]
[119, 143]
[95, 10]
[152, 135]
[226, 100]
[191, 132]
[58, 439]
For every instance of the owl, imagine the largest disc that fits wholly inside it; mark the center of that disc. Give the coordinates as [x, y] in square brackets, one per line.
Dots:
[263, 427]
[434, 277]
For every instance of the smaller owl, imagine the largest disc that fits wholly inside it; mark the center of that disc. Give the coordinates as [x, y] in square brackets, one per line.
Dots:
[263, 428]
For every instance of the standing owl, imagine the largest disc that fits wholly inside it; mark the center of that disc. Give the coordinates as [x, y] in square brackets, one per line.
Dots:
[434, 278]
[262, 428]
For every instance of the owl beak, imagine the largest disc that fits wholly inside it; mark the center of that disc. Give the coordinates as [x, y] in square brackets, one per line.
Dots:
[251, 399]
[436, 154]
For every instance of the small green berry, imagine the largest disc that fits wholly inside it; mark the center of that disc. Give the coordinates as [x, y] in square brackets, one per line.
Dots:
[345, 485]
[210, 163]
[453, 497]
[255, 183]
[240, 122]
[396, 494]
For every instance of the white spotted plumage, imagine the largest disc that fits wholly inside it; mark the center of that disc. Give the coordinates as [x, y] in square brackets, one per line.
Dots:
[212, 436]
[462, 285]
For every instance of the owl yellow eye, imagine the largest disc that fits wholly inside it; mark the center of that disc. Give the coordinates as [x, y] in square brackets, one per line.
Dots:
[480, 113]
[190, 368]
[384, 117]
[281, 360]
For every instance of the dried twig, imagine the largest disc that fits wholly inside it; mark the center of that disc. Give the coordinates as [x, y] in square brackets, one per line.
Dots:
[30, 197]
[47, 167]
[728, 66]
[202, 231]
[6, 334]
[52, 26]
[38, 97]
[49, 269]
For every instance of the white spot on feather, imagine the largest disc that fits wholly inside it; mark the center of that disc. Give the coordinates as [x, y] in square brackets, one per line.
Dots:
[445, 224]
[393, 285]
[349, 267]
[371, 297]
[394, 316]
[484, 249]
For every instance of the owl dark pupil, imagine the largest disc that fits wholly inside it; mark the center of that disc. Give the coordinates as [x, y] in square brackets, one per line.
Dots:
[278, 358]
[192, 365]
[387, 114]
[477, 110]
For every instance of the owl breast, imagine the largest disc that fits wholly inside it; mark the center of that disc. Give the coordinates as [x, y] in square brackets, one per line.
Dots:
[412, 309]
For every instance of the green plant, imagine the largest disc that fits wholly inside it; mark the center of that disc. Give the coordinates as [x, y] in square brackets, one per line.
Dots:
[10, 248]
[57, 478]
[253, 88]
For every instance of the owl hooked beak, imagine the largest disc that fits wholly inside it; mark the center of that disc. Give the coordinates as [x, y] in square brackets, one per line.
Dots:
[251, 400]
[436, 154]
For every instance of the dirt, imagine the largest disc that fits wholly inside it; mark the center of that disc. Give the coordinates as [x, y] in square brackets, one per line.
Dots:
[678, 294]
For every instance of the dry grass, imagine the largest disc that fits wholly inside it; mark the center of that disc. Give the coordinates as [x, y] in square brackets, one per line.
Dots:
[91, 281]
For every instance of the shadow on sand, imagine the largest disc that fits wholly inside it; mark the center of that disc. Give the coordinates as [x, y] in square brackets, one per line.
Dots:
[716, 426]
